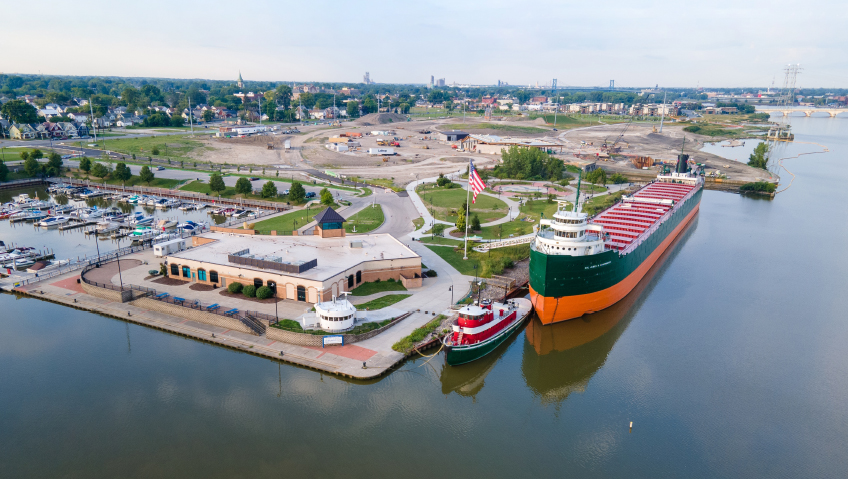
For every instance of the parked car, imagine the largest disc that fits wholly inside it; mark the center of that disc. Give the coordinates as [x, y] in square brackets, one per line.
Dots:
[310, 194]
[160, 168]
[254, 178]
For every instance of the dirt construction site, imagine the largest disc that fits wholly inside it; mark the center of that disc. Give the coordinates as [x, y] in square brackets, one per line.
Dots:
[421, 155]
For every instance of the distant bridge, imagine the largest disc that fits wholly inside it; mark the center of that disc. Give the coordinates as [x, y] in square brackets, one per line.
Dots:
[833, 112]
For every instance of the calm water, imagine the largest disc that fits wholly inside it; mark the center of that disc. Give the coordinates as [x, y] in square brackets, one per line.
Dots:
[730, 360]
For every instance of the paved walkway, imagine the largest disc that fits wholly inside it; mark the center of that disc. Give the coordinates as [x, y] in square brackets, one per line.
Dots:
[344, 360]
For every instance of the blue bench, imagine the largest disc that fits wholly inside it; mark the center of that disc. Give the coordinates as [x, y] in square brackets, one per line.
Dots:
[162, 295]
[181, 300]
[232, 311]
[212, 307]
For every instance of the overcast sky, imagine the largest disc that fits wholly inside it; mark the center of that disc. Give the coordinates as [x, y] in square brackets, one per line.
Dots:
[636, 43]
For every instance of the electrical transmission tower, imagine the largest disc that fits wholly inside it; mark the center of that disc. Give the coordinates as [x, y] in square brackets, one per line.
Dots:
[785, 100]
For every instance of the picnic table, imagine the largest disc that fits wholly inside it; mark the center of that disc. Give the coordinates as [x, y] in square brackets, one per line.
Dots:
[180, 300]
[232, 311]
[212, 307]
[162, 295]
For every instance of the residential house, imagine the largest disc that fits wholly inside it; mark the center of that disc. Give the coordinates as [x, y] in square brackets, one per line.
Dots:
[79, 117]
[48, 113]
[301, 113]
[4, 128]
[125, 121]
[22, 131]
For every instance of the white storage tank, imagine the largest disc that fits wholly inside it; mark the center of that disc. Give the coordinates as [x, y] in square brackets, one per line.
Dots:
[169, 247]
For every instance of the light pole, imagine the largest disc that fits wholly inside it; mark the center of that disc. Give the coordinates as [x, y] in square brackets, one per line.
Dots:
[118, 256]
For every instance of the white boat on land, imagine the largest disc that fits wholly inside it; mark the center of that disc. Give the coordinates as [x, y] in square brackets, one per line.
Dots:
[105, 227]
[165, 224]
[53, 221]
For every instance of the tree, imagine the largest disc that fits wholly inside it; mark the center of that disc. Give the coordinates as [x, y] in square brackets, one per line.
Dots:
[460, 221]
[352, 109]
[449, 105]
[269, 190]
[208, 116]
[243, 186]
[155, 150]
[282, 96]
[326, 197]
[404, 108]
[297, 193]
[475, 223]
[177, 120]
[19, 111]
[32, 166]
[216, 184]
[122, 172]
[597, 177]
[99, 170]
[759, 158]
[37, 154]
[54, 164]
[442, 181]
[4, 171]
[146, 175]
[529, 163]
[24, 155]
[85, 164]
[618, 178]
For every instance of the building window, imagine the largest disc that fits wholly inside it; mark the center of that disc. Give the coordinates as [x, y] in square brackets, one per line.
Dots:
[358, 277]
[257, 282]
[201, 274]
[331, 226]
[186, 272]
[175, 270]
[301, 293]
[350, 281]
[213, 276]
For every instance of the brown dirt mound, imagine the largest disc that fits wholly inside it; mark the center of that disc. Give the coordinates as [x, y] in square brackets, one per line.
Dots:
[167, 281]
[380, 118]
[540, 121]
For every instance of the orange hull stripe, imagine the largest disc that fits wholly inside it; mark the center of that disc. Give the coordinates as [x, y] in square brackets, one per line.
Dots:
[554, 310]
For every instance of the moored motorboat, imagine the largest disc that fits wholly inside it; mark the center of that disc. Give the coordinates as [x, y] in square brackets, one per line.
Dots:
[53, 221]
[482, 328]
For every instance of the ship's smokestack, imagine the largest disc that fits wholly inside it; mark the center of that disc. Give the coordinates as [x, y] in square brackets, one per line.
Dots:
[682, 163]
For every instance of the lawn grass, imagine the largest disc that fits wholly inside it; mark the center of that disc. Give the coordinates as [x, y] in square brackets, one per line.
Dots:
[384, 182]
[418, 223]
[294, 326]
[382, 302]
[598, 203]
[485, 262]
[14, 154]
[505, 128]
[531, 209]
[135, 180]
[445, 201]
[173, 147]
[587, 187]
[565, 122]
[285, 224]
[718, 131]
[366, 289]
[365, 192]
[441, 240]
[366, 220]
[406, 344]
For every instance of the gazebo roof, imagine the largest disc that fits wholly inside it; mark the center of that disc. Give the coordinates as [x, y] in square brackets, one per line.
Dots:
[329, 215]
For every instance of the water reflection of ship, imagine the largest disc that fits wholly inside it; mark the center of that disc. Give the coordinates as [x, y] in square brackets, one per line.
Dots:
[468, 379]
[561, 358]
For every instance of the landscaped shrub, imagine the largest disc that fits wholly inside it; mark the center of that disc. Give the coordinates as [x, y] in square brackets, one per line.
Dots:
[249, 291]
[264, 292]
[431, 274]
[391, 280]
[235, 288]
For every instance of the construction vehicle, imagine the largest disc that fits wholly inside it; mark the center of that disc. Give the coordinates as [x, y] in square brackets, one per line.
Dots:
[382, 142]
[394, 143]
[611, 147]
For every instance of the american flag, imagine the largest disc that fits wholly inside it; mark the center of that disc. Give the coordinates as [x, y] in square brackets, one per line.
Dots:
[475, 181]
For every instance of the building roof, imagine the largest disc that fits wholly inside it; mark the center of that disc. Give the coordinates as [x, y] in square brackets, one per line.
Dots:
[334, 255]
[453, 132]
[329, 215]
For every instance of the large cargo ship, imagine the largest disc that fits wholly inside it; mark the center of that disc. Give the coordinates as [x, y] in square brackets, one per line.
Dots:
[580, 265]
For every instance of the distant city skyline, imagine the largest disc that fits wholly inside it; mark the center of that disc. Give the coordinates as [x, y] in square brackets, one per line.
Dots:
[671, 44]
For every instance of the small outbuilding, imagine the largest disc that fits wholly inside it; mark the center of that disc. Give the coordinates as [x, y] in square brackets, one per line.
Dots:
[452, 135]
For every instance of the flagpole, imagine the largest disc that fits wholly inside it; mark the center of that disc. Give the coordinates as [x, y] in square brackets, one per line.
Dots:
[467, 197]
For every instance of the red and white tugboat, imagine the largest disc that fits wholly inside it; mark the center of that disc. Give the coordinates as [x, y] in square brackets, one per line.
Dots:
[481, 329]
